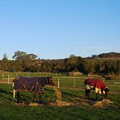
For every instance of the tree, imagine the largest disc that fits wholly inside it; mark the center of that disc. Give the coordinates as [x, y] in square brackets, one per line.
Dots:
[89, 66]
[5, 63]
[24, 60]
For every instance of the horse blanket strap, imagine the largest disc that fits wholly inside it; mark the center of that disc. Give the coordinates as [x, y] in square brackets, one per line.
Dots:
[25, 87]
[32, 88]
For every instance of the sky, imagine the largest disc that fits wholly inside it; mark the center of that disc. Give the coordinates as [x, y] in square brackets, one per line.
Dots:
[55, 29]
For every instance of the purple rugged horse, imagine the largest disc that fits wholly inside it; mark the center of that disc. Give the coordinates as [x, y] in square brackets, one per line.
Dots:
[97, 85]
[33, 84]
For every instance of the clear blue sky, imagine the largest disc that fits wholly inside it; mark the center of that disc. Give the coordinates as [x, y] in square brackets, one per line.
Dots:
[55, 29]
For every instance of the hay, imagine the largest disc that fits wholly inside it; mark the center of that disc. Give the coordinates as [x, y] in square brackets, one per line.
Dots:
[59, 102]
[27, 104]
[20, 104]
[62, 103]
[33, 104]
[107, 101]
[51, 104]
[98, 104]
[57, 92]
[84, 104]
[103, 103]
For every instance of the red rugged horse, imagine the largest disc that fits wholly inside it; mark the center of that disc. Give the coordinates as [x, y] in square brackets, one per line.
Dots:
[31, 84]
[97, 85]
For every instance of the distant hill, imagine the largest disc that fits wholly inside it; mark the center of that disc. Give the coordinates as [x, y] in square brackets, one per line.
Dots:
[109, 55]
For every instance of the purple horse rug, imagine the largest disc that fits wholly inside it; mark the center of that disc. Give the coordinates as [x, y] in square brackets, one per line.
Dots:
[33, 84]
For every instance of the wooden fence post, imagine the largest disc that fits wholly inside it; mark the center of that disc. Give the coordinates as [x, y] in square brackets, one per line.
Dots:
[58, 83]
[14, 93]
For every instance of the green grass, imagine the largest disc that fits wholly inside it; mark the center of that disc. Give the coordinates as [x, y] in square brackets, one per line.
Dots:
[10, 111]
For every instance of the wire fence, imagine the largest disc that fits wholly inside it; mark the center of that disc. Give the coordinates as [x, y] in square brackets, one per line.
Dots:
[32, 74]
[60, 79]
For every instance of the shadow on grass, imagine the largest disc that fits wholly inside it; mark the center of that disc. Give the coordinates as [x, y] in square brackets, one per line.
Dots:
[6, 95]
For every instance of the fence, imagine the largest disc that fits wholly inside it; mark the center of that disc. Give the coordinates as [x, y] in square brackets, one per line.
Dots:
[30, 74]
[60, 79]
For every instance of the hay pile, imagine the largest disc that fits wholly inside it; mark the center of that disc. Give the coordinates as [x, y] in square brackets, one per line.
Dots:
[58, 93]
[62, 103]
[103, 103]
[33, 104]
[59, 102]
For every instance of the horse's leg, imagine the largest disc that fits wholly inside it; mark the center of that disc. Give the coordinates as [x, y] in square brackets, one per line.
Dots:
[19, 100]
[39, 97]
[104, 96]
[18, 97]
[96, 96]
[87, 92]
[34, 97]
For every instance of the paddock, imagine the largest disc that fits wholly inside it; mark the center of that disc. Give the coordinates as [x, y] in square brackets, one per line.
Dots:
[79, 106]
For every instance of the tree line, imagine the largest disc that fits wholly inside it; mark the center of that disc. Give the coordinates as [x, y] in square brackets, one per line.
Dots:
[23, 62]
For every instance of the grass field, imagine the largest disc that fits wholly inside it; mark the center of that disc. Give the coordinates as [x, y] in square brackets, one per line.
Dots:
[9, 110]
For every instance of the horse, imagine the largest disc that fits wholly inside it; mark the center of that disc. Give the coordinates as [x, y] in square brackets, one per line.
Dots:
[97, 85]
[31, 84]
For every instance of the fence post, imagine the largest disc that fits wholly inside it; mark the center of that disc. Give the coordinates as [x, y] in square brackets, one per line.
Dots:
[74, 82]
[58, 83]
[14, 93]
[8, 78]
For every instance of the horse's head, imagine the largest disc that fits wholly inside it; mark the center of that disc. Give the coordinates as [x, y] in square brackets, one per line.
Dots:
[106, 93]
[50, 81]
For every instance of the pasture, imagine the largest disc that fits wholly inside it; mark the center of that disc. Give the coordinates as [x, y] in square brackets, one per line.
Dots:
[72, 90]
